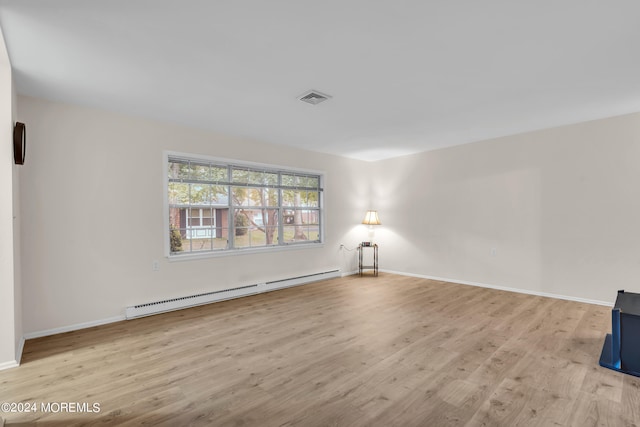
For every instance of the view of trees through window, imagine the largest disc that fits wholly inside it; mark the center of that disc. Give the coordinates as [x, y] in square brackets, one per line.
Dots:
[217, 207]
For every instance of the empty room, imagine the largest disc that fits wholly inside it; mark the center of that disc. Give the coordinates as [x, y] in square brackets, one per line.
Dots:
[297, 213]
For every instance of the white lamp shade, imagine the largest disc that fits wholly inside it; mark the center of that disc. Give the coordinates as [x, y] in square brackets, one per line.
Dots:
[371, 218]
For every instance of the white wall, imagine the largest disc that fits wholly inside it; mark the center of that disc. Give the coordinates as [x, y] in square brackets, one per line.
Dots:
[8, 327]
[561, 208]
[17, 267]
[92, 215]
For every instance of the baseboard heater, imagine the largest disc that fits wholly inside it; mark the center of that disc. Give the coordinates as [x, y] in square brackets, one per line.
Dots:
[179, 303]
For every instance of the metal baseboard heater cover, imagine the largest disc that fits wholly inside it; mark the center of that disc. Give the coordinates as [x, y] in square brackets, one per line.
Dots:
[179, 303]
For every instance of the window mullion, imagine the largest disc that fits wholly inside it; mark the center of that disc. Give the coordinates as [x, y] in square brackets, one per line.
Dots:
[280, 212]
[188, 222]
[320, 210]
[231, 216]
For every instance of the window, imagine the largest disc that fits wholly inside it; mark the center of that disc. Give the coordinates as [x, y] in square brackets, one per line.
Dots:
[217, 206]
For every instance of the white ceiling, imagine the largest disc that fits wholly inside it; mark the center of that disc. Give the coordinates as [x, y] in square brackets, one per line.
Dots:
[405, 76]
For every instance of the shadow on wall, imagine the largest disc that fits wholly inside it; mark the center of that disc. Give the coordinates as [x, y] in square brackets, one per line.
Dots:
[349, 252]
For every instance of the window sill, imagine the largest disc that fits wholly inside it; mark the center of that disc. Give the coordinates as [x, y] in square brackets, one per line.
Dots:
[235, 252]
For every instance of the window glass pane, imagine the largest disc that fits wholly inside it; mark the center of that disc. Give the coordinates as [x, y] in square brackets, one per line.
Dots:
[251, 176]
[219, 195]
[221, 238]
[303, 217]
[272, 235]
[200, 194]
[219, 174]
[313, 233]
[239, 175]
[258, 218]
[309, 219]
[287, 217]
[312, 182]
[289, 180]
[174, 217]
[256, 227]
[255, 177]
[301, 233]
[257, 238]
[240, 196]
[200, 172]
[178, 193]
[198, 233]
[178, 169]
[295, 233]
[193, 220]
[201, 243]
[270, 197]
[288, 197]
[309, 198]
[256, 197]
[314, 217]
[249, 196]
[302, 181]
[220, 243]
[254, 237]
[241, 227]
[270, 178]
[176, 237]
[208, 219]
[300, 198]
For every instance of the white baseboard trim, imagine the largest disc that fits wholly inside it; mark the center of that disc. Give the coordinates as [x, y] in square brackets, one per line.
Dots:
[188, 301]
[504, 288]
[19, 351]
[13, 363]
[348, 273]
[69, 328]
[8, 365]
[78, 326]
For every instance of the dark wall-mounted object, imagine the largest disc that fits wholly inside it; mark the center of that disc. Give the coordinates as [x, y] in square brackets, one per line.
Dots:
[19, 143]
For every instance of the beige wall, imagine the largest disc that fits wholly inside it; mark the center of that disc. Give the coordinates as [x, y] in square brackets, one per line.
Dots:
[8, 326]
[92, 215]
[554, 211]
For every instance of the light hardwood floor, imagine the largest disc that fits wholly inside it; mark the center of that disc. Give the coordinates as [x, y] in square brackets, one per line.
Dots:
[384, 351]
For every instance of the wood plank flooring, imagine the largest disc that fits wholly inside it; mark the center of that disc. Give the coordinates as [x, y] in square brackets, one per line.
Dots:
[371, 351]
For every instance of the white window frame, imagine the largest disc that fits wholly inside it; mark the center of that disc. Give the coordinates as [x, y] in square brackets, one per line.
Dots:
[243, 250]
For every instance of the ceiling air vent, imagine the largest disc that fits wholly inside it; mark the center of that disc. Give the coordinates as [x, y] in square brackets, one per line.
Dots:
[313, 97]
